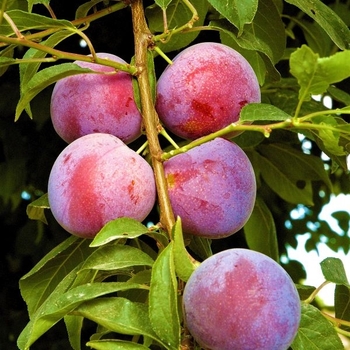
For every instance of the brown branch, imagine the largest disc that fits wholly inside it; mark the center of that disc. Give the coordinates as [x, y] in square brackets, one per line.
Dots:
[143, 40]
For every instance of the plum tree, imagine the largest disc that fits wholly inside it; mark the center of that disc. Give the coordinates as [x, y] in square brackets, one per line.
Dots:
[212, 188]
[89, 103]
[98, 178]
[205, 89]
[240, 299]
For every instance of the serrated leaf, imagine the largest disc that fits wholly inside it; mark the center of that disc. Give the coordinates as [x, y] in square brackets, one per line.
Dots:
[26, 21]
[262, 112]
[327, 19]
[315, 74]
[106, 344]
[163, 303]
[119, 315]
[116, 256]
[36, 209]
[38, 284]
[239, 13]
[342, 303]
[184, 265]
[315, 331]
[119, 228]
[260, 231]
[333, 271]
[43, 79]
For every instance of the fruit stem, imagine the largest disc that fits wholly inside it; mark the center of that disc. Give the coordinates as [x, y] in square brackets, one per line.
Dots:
[143, 41]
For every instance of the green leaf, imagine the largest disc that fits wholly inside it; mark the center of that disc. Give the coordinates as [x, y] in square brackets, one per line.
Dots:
[37, 326]
[315, 332]
[239, 13]
[34, 2]
[119, 228]
[163, 303]
[343, 218]
[265, 34]
[26, 21]
[333, 271]
[262, 111]
[38, 284]
[342, 303]
[43, 79]
[201, 246]
[151, 78]
[163, 4]
[327, 19]
[116, 256]
[184, 265]
[83, 10]
[178, 14]
[292, 190]
[260, 231]
[74, 326]
[107, 344]
[315, 74]
[295, 163]
[119, 315]
[36, 209]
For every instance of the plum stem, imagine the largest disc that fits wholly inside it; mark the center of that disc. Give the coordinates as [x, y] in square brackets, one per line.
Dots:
[143, 41]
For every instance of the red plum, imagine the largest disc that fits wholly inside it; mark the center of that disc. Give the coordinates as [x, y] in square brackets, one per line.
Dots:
[88, 103]
[212, 188]
[205, 89]
[97, 178]
[241, 299]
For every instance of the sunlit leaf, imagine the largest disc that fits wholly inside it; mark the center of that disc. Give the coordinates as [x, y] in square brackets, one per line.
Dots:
[262, 111]
[119, 315]
[315, 332]
[119, 228]
[41, 281]
[116, 256]
[107, 344]
[163, 303]
[239, 13]
[333, 271]
[184, 265]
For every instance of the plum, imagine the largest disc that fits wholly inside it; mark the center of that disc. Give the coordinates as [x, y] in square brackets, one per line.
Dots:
[88, 103]
[241, 299]
[212, 188]
[97, 178]
[205, 89]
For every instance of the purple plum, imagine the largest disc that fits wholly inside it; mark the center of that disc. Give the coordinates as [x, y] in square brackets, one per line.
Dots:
[205, 89]
[212, 188]
[97, 178]
[89, 103]
[240, 299]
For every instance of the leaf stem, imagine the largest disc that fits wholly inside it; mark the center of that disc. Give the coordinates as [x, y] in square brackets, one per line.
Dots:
[143, 41]
[312, 296]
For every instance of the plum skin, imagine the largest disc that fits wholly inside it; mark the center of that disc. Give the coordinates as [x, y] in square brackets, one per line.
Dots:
[212, 187]
[88, 103]
[205, 89]
[97, 178]
[241, 299]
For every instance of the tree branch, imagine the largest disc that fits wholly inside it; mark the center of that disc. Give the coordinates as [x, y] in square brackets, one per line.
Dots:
[143, 40]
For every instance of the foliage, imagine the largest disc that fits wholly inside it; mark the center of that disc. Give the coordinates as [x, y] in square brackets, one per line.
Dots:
[128, 281]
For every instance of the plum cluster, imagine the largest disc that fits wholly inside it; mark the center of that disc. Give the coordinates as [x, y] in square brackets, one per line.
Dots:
[97, 177]
[247, 301]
